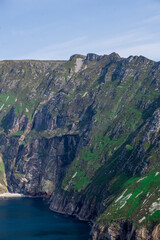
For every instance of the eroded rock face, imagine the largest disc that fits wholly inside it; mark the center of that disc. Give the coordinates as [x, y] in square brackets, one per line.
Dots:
[121, 230]
[75, 204]
[93, 57]
[156, 232]
[124, 231]
[37, 168]
[12, 123]
[76, 131]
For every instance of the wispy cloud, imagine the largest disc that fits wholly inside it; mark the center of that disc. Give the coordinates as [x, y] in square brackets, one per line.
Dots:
[58, 51]
[151, 19]
[150, 50]
[133, 42]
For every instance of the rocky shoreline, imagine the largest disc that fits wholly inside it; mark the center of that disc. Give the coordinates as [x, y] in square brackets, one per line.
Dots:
[11, 195]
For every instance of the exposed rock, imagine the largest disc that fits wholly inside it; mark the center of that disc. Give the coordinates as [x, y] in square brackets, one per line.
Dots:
[124, 231]
[85, 133]
[93, 57]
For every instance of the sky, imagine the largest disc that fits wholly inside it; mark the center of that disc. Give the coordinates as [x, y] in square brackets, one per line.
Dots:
[57, 29]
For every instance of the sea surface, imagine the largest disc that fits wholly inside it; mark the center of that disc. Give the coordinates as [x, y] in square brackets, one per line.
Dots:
[31, 219]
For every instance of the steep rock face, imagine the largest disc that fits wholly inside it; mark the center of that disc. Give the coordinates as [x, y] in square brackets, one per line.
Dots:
[86, 133]
[37, 168]
[12, 124]
[75, 204]
[124, 231]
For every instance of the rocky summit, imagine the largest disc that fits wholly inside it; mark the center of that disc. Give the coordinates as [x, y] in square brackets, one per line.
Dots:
[85, 133]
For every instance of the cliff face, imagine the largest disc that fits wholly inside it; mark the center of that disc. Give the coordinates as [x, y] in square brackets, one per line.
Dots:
[85, 133]
[125, 230]
[38, 167]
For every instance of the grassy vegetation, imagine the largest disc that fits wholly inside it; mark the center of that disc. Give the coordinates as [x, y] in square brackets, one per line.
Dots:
[19, 133]
[135, 200]
[129, 147]
[103, 142]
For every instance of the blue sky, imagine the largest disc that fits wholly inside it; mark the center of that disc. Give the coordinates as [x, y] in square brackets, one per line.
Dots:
[56, 29]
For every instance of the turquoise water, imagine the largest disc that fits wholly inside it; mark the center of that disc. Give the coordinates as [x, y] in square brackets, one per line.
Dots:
[30, 219]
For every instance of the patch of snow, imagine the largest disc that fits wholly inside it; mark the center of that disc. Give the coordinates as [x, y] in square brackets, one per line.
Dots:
[79, 63]
[144, 201]
[74, 175]
[7, 98]
[27, 110]
[121, 195]
[85, 94]
[131, 58]
[123, 204]
[124, 200]
[142, 219]
[85, 67]
[141, 179]
[154, 207]
[16, 100]
[11, 195]
[128, 196]
[1, 107]
[148, 196]
[139, 194]
[156, 174]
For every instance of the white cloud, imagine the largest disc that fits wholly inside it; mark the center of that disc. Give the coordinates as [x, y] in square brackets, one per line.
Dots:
[59, 51]
[150, 50]
[133, 42]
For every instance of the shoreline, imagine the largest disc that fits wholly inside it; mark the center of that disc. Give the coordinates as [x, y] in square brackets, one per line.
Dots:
[11, 195]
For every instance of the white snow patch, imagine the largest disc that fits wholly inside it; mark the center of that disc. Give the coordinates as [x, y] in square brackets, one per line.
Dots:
[156, 174]
[121, 195]
[141, 179]
[154, 207]
[148, 196]
[74, 175]
[128, 196]
[11, 195]
[79, 63]
[7, 98]
[1, 107]
[124, 200]
[27, 110]
[16, 100]
[85, 67]
[139, 194]
[85, 94]
[123, 204]
[142, 219]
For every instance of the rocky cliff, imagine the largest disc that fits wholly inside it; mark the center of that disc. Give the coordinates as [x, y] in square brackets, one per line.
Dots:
[85, 133]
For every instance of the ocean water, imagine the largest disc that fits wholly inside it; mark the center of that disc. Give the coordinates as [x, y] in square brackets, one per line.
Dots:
[30, 219]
